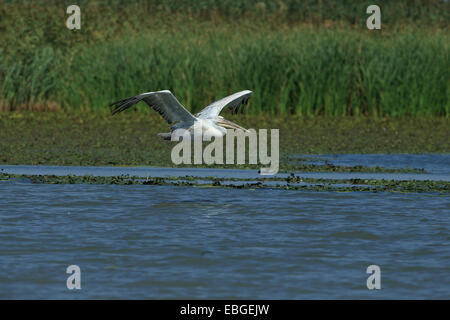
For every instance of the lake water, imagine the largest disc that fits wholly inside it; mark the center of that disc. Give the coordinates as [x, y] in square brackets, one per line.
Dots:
[148, 241]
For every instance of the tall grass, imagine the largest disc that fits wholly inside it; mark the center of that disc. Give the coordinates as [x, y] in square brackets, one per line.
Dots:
[302, 71]
[292, 68]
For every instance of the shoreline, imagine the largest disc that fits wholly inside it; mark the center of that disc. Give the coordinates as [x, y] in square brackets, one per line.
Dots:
[98, 139]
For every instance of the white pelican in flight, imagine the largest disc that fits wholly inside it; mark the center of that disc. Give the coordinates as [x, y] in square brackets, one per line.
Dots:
[165, 103]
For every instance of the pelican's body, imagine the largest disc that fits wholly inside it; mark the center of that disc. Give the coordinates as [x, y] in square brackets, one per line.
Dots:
[211, 124]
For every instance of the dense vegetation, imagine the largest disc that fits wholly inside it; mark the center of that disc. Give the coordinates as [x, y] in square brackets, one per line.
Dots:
[305, 57]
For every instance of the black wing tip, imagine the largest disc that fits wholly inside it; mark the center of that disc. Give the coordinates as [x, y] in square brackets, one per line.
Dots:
[240, 105]
[117, 107]
[123, 104]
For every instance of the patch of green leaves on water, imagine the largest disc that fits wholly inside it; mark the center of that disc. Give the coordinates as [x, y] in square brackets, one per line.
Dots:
[291, 182]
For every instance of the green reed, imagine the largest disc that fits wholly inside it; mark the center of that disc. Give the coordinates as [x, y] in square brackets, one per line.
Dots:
[297, 66]
[302, 71]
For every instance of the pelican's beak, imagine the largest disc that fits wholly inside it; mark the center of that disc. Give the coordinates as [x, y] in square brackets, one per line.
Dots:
[227, 124]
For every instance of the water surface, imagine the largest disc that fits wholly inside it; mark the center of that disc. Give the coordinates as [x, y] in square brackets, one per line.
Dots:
[148, 241]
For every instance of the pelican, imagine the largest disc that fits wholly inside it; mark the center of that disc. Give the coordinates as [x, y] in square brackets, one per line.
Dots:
[209, 120]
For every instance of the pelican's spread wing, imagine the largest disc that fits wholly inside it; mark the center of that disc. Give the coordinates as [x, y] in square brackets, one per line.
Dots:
[233, 102]
[164, 102]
